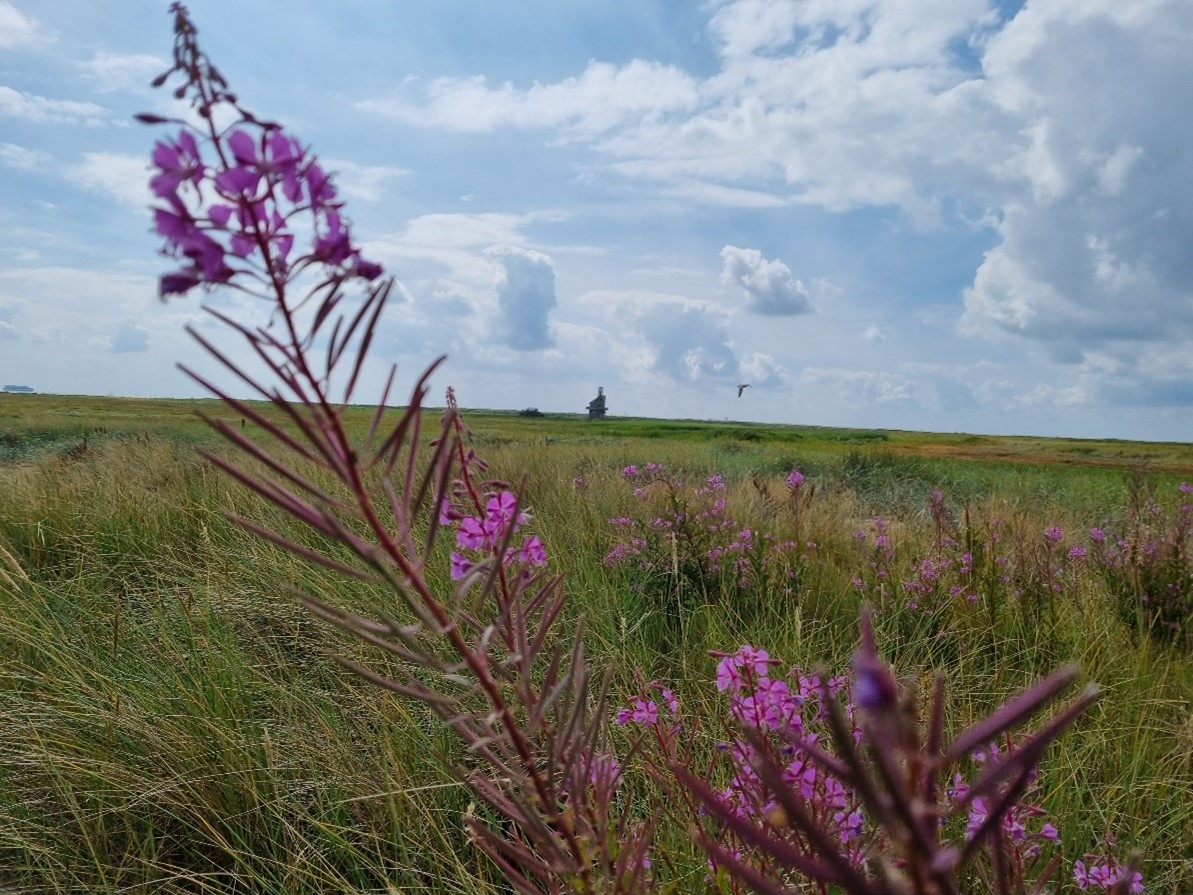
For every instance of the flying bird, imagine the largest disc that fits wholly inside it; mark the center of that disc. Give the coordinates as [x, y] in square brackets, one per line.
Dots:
[741, 388]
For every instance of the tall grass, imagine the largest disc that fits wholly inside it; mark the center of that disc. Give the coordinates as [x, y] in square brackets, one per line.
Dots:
[172, 720]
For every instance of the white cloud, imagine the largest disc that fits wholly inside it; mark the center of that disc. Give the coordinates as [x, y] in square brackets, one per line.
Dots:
[684, 339]
[717, 194]
[62, 308]
[1093, 262]
[862, 388]
[767, 283]
[1044, 395]
[367, 183]
[123, 71]
[1115, 168]
[603, 97]
[763, 371]
[466, 230]
[836, 104]
[525, 284]
[18, 104]
[15, 27]
[124, 176]
[130, 338]
[1093, 253]
[873, 334]
[23, 158]
[1054, 129]
[748, 26]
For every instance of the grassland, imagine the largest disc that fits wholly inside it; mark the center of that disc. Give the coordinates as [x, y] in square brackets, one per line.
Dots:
[172, 720]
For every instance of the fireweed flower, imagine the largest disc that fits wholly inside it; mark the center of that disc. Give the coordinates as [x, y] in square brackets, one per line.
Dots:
[230, 218]
[729, 670]
[1105, 876]
[461, 566]
[644, 711]
[177, 163]
[485, 535]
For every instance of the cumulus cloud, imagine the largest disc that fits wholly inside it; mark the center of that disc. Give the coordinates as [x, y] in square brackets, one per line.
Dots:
[685, 339]
[467, 230]
[839, 105]
[122, 71]
[1118, 375]
[525, 285]
[1094, 253]
[7, 329]
[719, 194]
[447, 250]
[874, 334]
[1045, 395]
[764, 371]
[690, 341]
[130, 338]
[365, 182]
[23, 158]
[1051, 128]
[15, 27]
[862, 388]
[63, 309]
[603, 97]
[450, 301]
[767, 283]
[18, 104]
[745, 27]
[124, 176]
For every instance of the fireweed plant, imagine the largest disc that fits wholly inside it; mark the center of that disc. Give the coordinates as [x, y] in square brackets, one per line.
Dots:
[681, 549]
[824, 782]
[1146, 561]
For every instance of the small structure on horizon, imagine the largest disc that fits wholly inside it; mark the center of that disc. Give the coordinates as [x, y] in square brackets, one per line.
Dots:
[18, 389]
[596, 407]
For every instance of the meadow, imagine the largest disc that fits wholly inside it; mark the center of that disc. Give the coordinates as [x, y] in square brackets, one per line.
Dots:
[172, 718]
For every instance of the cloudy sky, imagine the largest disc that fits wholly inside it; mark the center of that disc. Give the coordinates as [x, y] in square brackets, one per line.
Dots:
[953, 215]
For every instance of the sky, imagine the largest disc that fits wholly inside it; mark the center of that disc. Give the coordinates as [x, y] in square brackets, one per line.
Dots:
[942, 215]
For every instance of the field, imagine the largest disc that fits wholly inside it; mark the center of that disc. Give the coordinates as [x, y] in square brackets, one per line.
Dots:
[173, 720]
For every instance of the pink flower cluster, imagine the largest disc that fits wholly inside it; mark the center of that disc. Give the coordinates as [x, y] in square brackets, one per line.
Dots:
[236, 216]
[1106, 874]
[486, 535]
[686, 533]
[1024, 835]
[1148, 568]
[787, 711]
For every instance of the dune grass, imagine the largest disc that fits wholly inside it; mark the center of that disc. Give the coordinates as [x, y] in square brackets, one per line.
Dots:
[172, 721]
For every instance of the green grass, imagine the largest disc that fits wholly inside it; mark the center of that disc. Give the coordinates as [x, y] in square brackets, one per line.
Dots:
[172, 721]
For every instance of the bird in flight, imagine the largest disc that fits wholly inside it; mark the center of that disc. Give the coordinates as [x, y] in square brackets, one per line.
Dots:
[741, 388]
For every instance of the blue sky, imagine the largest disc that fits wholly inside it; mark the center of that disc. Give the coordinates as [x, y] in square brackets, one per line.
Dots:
[951, 215]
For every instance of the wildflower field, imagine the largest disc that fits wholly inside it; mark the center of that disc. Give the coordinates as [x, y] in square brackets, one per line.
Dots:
[308, 644]
[171, 717]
